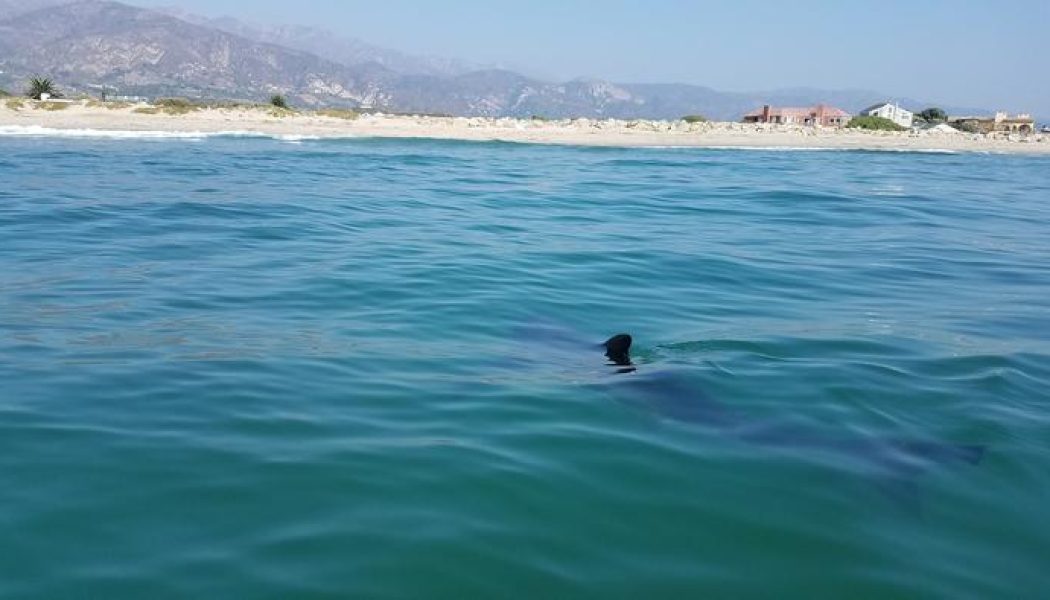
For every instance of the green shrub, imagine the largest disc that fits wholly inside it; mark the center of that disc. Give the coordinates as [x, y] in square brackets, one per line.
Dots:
[695, 119]
[933, 115]
[873, 124]
[278, 101]
[38, 86]
[539, 118]
[4, 94]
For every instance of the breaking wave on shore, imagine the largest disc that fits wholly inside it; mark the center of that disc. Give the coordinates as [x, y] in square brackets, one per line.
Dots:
[39, 131]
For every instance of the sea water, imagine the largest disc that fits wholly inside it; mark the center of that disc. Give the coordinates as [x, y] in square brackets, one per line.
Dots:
[240, 367]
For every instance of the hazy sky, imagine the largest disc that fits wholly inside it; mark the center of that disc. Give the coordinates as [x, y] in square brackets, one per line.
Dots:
[961, 52]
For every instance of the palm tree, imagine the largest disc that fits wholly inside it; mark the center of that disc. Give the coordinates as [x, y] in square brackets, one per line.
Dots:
[42, 85]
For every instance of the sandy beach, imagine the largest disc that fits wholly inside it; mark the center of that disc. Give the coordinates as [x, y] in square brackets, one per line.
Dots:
[20, 117]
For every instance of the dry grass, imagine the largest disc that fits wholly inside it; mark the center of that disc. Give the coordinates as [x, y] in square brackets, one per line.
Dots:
[53, 106]
[339, 113]
[15, 104]
[93, 103]
[235, 105]
[174, 103]
[173, 106]
[280, 113]
[166, 106]
[179, 110]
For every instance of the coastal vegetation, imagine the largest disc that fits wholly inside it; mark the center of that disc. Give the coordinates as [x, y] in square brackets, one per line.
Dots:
[695, 119]
[873, 124]
[933, 115]
[277, 106]
[278, 101]
[966, 127]
[339, 113]
[38, 86]
[53, 106]
[15, 104]
[4, 94]
[111, 105]
[169, 106]
[175, 106]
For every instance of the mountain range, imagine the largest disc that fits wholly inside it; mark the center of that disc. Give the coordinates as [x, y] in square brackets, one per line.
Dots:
[93, 45]
[335, 47]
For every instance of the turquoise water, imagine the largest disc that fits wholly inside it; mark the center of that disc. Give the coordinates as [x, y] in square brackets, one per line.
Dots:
[248, 368]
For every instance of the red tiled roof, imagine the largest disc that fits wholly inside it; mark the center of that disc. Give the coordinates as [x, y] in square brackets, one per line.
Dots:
[800, 112]
[831, 111]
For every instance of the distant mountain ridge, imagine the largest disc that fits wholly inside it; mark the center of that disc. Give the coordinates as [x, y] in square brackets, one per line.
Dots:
[137, 51]
[101, 44]
[332, 46]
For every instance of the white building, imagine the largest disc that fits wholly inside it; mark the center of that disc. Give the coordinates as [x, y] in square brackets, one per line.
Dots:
[892, 112]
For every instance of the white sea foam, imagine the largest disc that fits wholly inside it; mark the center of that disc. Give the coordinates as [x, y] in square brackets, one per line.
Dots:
[918, 150]
[807, 149]
[38, 131]
[295, 139]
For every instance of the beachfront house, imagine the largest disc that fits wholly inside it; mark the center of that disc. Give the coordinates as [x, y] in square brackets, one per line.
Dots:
[821, 114]
[1001, 122]
[891, 111]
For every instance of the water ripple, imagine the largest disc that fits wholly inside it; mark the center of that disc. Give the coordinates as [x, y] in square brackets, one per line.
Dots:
[246, 368]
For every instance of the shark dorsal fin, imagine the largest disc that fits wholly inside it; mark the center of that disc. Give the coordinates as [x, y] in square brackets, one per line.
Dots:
[618, 349]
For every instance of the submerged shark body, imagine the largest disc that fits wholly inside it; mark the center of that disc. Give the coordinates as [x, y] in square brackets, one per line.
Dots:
[672, 394]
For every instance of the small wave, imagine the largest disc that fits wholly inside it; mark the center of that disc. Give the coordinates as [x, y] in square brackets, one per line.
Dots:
[39, 131]
[807, 149]
[295, 139]
[916, 150]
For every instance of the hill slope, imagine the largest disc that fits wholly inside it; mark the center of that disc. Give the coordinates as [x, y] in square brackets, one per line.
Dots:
[99, 44]
[136, 51]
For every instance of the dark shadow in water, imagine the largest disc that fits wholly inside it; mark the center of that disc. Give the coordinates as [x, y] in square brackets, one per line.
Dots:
[893, 464]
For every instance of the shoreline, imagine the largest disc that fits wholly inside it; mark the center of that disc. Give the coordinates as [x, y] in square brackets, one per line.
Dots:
[92, 119]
